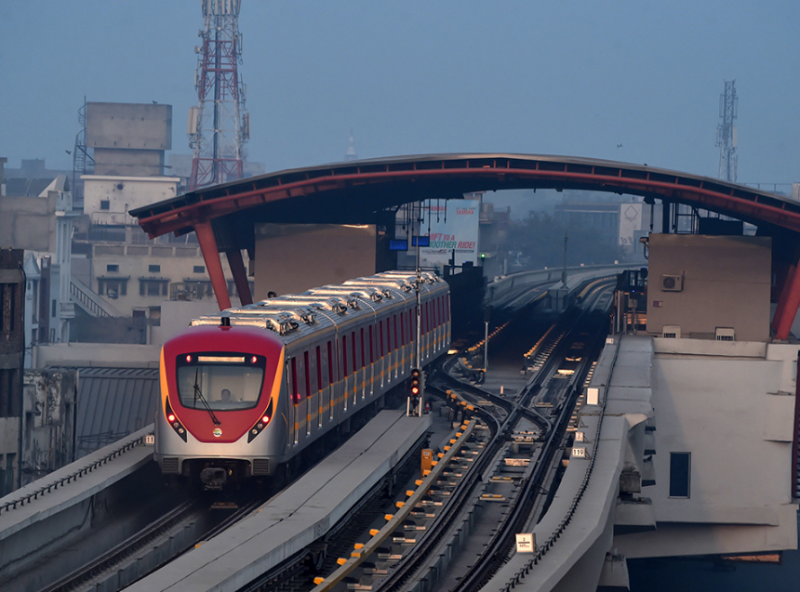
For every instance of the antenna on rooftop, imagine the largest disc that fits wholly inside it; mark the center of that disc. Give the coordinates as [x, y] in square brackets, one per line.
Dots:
[219, 125]
[726, 132]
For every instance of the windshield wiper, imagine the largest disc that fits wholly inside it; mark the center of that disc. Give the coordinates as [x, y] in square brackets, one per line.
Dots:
[199, 395]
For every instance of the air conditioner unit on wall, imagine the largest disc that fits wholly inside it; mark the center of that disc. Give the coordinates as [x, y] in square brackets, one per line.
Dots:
[671, 332]
[725, 334]
[671, 282]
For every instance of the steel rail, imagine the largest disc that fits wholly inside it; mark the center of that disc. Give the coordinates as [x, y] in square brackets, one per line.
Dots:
[495, 553]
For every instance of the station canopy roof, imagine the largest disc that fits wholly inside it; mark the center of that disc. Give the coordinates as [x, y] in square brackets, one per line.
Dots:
[368, 191]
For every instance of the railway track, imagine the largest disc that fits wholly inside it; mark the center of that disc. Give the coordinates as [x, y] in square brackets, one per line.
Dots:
[522, 435]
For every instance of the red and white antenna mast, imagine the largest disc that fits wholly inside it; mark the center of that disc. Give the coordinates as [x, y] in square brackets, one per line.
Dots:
[219, 125]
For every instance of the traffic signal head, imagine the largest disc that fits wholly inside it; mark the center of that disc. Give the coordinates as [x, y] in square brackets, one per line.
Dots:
[415, 386]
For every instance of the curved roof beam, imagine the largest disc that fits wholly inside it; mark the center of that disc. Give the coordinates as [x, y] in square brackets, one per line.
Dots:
[412, 178]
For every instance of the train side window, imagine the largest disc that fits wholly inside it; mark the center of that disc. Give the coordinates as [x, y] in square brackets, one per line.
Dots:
[319, 369]
[371, 346]
[355, 360]
[330, 363]
[308, 373]
[363, 349]
[344, 354]
[295, 389]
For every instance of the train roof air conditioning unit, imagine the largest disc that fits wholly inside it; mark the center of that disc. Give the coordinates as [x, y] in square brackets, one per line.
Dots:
[671, 282]
[671, 332]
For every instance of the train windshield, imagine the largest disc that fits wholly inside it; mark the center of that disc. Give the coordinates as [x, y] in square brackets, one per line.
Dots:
[220, 381]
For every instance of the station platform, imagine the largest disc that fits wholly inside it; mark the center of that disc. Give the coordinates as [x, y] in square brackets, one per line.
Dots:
[296, 517]
[50, 513]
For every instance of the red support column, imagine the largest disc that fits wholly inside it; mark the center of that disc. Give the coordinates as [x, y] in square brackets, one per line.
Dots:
[239, 276]
[208, 245]
[786, 282]
[790, 301]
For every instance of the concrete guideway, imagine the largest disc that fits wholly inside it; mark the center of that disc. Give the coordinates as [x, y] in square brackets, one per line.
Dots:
[298, 516]
[615, 500]
[50, 512]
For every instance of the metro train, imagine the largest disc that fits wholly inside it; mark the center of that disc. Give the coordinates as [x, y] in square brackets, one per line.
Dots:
[247, 390]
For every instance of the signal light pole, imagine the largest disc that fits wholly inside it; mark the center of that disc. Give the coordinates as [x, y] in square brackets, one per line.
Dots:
[417, 388]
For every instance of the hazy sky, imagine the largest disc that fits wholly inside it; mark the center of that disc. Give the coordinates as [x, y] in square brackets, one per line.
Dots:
[414, 77]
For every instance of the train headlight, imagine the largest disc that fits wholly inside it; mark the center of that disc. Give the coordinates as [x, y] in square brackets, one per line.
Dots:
[262, 422]
[175, 423]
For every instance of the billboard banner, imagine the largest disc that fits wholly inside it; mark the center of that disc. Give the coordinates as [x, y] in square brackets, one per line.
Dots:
[452, 227]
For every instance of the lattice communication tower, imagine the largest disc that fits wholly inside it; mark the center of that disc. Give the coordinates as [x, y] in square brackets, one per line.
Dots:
[219, 125]
[726, 132]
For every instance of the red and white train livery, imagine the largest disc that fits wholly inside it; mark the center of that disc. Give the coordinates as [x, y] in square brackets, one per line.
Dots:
[247, 390]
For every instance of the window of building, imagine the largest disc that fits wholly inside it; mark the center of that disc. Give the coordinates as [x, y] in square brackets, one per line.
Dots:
[112, 267]
[154, 268]
[10, 397]
[151, 287]
[112, 287]
[105, 204]
[199, 269]
[679, 473]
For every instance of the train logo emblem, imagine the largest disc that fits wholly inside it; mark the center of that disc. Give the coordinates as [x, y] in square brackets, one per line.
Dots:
[217, 432]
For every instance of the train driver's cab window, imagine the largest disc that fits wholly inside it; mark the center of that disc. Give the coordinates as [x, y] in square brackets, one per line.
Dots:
[220, 381]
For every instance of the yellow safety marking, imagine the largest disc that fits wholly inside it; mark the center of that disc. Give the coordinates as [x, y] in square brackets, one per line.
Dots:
[355, 554]
[418, 482]
[358, 546]
[318, 580]
[373, 531]
[399, 504]
[388, 517]
[341, 561]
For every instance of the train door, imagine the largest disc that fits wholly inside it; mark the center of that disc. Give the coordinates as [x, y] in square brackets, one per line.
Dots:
[363, 362]
[354, 350]
[320, 388]
[308, 392]
[345, 382]
[381, 352]
[371, 360]
[291, 374]
[396, 348]
[331, 382]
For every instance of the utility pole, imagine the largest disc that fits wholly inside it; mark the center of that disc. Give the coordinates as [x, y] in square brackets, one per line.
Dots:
[726, 132]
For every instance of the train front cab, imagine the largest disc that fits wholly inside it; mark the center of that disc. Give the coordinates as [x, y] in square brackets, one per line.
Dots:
[220, 397]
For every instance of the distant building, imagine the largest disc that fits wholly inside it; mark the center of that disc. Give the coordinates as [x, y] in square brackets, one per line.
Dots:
[41, 224]
[616, 223]
[124, 276]
[12, 346]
